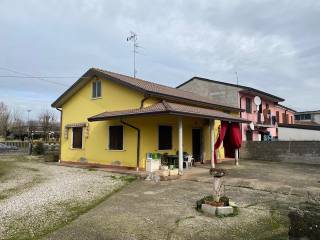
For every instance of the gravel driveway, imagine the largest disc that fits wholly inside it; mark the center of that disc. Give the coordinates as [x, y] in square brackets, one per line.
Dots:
[36, 197]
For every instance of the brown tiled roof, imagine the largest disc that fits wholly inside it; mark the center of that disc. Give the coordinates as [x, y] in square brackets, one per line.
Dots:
[165, 107]
[148, 88]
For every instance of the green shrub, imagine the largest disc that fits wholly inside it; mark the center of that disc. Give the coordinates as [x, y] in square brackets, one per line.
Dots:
[38, 148]
[225, 200]
[51, 157]
[202, 201]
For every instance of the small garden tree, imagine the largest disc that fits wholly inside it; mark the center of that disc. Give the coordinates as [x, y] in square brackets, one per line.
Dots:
[4, 119]
[46, 121]
[18, 125]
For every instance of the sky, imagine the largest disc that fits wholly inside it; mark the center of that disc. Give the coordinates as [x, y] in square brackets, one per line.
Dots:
[273, 45]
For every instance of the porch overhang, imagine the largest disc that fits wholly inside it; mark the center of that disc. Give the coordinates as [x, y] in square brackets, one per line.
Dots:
[168, 108]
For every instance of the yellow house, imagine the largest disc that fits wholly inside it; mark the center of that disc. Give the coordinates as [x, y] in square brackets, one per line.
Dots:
[114, 120]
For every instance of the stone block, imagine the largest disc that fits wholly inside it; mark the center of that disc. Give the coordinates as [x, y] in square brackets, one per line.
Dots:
[162, 167]
[173, 172]
[223, 211]
[209, 209]
[162, 173]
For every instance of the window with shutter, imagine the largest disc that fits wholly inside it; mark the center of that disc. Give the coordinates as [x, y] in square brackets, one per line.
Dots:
[248, 105]
[165, 137]
[77, 137]
[116, 137]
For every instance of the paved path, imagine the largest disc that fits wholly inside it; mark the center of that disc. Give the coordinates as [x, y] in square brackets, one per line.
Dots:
[165, 210]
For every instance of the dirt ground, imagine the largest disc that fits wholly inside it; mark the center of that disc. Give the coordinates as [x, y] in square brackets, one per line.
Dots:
[264, 192]
[37, 197]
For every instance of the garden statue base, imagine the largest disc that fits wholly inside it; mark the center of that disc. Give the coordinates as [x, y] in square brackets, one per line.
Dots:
[216, 211]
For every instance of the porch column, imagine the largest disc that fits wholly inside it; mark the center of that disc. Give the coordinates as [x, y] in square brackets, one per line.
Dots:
[237, 156]
[180, 146]
[212, 141]
[237, 150]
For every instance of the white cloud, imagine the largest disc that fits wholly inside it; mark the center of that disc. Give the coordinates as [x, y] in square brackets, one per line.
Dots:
[272, 45]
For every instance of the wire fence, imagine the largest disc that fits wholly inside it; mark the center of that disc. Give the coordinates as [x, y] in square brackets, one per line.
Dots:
[22, 147]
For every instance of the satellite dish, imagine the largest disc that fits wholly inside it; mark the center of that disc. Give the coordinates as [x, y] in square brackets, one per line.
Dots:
[251, 125]
[257, 100]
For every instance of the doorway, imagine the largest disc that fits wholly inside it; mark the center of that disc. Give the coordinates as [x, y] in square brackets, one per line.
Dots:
[196, 144]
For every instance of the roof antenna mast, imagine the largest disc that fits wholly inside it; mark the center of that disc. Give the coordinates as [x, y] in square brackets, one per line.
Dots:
[237, 77]
[134, 38]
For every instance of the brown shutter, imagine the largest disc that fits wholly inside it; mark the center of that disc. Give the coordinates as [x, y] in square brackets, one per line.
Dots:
[77, 137]
[278, 116]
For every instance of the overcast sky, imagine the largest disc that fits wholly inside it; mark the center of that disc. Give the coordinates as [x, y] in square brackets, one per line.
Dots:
[273, 45]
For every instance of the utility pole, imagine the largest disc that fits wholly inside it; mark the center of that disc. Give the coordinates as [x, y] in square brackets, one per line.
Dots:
[29, 110]
[134, 38]
[29, 136]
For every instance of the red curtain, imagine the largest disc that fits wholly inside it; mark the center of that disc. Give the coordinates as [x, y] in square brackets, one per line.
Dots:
[230, 135]
[235, 136]
[222, 134]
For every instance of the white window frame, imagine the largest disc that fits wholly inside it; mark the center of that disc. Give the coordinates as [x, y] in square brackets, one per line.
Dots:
[95, 81]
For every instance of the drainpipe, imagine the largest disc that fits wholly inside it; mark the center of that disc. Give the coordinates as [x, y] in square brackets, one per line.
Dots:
[238, 151]
[143, 100]
[138, 142]
[61, 132]
[241, 113]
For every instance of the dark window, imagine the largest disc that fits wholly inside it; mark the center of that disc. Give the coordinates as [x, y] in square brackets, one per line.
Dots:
[116, 137]
[96, 89]
[77, 137]
[307, 116]
[165, 137]
[248, 105]
[249, 135]
[297, 117]
[260, 108]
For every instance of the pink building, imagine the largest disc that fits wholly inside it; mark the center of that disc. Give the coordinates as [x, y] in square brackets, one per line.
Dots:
[264, 118]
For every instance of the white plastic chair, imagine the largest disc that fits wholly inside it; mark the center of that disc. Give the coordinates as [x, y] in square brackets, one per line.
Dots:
[189, 161]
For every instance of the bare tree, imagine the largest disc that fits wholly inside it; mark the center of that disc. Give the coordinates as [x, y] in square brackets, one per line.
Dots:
[18, 125]
[4, 119]
[46, 121]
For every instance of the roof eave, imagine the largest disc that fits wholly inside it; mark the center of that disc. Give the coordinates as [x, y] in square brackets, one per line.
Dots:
[199, 103]
[92, 72]
[177, 113]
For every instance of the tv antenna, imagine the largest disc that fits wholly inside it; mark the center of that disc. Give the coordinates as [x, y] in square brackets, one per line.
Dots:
[134, 38]
[236, 73]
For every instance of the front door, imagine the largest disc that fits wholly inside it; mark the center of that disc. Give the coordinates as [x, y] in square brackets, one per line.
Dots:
[196, 144]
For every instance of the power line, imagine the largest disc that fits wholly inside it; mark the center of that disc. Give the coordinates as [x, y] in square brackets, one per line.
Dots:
[14, 76]
[25, 75]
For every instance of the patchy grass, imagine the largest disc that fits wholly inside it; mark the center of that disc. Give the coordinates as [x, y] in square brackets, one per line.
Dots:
[12, 191]
[92, 169]
[19, 174]
[125, 178]
[5, 168]
[273, 226]
[72, 211]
